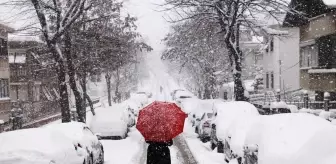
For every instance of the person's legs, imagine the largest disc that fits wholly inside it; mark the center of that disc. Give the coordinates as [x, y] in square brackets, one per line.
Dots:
[165, 156]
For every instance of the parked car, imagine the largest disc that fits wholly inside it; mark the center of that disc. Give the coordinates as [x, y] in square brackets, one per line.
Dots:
[133, 106]
[172, 94]
[131, 116]
[39, 146]
[110, 123]
[148, 94]
[225, 113]
[140, 99]
[81, 133]
[286, 139]
[179, 95]
[202, 118]
[279, 107]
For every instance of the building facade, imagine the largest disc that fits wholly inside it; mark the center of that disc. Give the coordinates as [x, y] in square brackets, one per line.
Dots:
[281, 59]
[4, 73]
[317, 45]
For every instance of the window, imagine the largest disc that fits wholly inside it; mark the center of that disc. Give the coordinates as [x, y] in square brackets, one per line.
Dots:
[4, 91]
[21, 71]
[3, 47]
[272, 80]
[267, 80]
[225, 96]
[37, 93]
[309, 56]
[272, 45]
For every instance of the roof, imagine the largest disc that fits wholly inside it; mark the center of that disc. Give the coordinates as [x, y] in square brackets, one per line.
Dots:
[309, 9]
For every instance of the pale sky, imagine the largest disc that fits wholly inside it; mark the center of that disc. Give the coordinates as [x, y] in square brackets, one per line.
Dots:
[151, 23]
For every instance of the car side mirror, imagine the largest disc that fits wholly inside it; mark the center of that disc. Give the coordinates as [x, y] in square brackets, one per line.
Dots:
[98, 135]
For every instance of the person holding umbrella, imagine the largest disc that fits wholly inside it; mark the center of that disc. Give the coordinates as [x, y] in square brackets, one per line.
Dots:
[158, 152]
[159, 123]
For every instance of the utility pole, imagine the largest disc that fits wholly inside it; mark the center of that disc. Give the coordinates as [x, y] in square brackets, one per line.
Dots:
[280, 74]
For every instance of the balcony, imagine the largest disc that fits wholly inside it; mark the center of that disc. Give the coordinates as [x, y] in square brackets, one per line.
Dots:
[318, 79]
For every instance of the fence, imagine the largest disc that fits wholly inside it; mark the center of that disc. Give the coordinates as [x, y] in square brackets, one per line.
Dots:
[38, 114]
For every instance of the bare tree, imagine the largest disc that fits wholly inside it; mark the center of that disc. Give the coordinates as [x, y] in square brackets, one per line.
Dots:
[60, 16]
[230, 16]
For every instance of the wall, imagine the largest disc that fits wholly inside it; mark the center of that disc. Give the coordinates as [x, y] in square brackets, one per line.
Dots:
[286, 49]
[319, 26]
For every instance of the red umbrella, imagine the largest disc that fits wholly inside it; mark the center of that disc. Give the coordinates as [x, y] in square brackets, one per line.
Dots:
[161, 121]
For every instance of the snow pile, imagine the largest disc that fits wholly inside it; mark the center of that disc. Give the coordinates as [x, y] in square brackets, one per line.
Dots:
[330, 3]
[292, 139]
[37, 146]
[293, 108]
[278, 105]
[228, 112]
[332, 70]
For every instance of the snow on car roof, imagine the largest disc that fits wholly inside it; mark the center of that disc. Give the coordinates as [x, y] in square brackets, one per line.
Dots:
[293, 138]
[47, 144]
[228, 112]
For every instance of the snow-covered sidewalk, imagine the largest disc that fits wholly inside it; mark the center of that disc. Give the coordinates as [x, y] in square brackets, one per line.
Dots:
[201, 151]
[126, 151]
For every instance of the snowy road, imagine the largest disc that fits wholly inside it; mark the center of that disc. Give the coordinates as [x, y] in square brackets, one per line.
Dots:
[187, 148]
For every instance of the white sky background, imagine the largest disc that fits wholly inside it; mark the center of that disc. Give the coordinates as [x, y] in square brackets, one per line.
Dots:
[151, 24]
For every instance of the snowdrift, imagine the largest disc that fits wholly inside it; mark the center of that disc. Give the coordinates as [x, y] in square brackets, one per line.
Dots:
[228, 113]
[293, 139]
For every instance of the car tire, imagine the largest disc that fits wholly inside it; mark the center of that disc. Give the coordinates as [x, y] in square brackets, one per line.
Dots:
[213, 146]
[90, 160]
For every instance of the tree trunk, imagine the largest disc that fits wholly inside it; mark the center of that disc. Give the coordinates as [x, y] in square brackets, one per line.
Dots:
[63, 91]
[81, 110]
[236, 58]
[85, 95]
[108, 82]
[117, 93]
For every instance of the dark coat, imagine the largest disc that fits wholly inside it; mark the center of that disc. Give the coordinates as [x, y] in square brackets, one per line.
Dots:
[158, 152]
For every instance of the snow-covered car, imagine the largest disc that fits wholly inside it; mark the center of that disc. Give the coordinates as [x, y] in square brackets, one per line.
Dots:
[140, 99]
[133, 106]
[110, 123]
[225, 114]
[39, 146]
[286, 139]
[203, 114]
[279, 107]
[81, 133]
[179, 95]
[131, 116]
[148, 94]
[188, 106]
